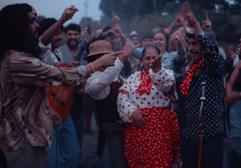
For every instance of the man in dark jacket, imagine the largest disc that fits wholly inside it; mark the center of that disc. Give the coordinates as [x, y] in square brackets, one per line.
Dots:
[201, 98]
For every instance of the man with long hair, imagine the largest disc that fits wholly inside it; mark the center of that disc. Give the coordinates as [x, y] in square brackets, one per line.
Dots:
[26, 119]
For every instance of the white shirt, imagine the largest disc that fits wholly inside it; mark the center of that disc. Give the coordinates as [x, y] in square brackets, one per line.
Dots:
[163, 83]
[97, 85]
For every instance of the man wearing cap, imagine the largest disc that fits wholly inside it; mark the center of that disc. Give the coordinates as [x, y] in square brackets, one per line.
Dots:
[201, 100]
[103, 87]
[134, 37]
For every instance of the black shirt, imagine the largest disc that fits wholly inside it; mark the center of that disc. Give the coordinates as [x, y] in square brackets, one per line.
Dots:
[212, 71]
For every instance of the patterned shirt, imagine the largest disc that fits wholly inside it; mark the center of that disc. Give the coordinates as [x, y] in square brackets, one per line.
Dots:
[25, 115]
[163, 84]
[168, 60]
[213, 109]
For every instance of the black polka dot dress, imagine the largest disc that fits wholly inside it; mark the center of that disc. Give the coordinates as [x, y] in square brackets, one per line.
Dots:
[213, 110]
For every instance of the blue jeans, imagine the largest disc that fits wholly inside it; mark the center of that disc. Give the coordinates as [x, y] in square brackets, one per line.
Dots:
[232, 150]
[235, 120]
[65, 151]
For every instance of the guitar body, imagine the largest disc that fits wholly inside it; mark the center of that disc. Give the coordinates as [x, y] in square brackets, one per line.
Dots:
[60, 97]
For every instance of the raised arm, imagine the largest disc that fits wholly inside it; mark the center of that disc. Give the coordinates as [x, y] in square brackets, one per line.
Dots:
[97, 85]
[48, 35]
[213, 61]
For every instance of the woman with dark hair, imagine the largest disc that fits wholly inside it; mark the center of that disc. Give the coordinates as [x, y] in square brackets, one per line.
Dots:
[26, 119]
[145, 104]
[160, 41]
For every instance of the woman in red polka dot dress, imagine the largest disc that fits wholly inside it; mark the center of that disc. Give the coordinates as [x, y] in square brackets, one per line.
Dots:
[145, 104]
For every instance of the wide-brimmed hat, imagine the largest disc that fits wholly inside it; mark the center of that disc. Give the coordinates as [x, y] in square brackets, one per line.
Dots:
[99, 47]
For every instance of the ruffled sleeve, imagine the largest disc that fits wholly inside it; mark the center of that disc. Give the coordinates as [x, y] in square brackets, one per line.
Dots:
[164, 80]
[125, 106]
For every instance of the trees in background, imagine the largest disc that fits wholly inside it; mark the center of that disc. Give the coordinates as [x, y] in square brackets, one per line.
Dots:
[143, 15]
[132, 8]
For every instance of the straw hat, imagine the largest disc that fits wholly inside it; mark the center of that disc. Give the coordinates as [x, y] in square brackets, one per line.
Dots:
[99, 47]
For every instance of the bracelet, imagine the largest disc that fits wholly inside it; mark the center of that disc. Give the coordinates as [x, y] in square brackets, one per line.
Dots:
[92, 67]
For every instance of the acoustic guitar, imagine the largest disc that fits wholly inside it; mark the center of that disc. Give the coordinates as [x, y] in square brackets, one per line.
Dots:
[60, 97]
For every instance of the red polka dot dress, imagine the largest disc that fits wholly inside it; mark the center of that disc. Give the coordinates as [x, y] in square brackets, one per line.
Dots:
[157, 144]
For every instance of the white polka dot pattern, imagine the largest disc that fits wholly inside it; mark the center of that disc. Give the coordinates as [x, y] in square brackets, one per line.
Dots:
[213, 110]
[129, 100]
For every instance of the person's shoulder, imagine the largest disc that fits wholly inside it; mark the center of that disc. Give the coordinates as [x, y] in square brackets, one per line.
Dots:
[168, 72]
[134, 75]
[14, 56]
[172, 53]
[63, 48]
[137, 73]
[138, 52]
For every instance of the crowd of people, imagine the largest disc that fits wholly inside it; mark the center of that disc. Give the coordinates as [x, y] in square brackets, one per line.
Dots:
[169, 98]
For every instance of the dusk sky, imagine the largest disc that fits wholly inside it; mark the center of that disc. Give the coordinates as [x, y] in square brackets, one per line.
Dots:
[54, 8]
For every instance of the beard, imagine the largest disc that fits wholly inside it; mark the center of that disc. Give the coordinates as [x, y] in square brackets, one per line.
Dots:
[73, 44]
[31, 44]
